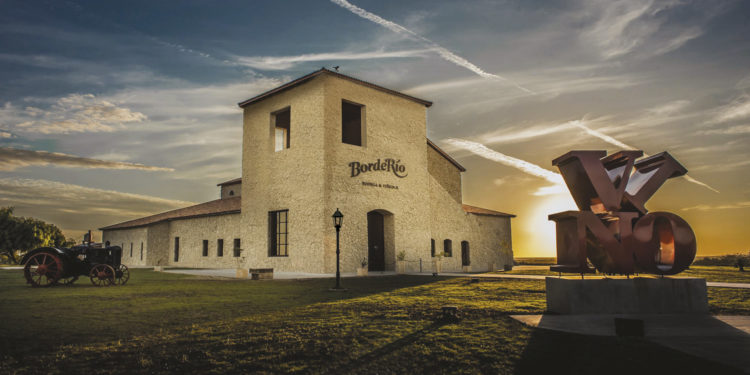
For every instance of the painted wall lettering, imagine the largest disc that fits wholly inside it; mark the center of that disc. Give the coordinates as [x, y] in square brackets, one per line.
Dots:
[385, 165]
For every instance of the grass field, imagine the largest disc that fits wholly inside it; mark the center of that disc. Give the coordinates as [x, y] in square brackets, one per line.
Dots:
[167, 323]
[710, 273]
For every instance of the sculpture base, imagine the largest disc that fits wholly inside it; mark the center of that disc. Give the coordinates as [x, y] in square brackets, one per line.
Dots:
[639, 295]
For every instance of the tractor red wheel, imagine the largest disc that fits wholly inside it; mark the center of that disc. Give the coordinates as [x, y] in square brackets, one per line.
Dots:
[122, 275]
[102, 275]
[43, 269]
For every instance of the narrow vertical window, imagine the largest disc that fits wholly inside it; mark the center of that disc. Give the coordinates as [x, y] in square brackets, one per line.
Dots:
[131, 249]
[432, 247]
[205, 248]
[220, 247]
[176, 249]
[278, 233]
[282, 128]
[237, 248]
[448, 248]
[465, 256]
[141, 250]
[351, 123]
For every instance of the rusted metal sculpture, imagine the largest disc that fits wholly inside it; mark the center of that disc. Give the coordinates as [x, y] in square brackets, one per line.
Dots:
[613, 230]
[48, 266]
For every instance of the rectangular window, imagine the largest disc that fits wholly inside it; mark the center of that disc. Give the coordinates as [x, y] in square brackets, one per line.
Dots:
[205, 248]
[465, 255]
[237, 248]
[432, 247]
[278, 233]
[220, 247]
[176, 249]
[131, 249]
[448, 248]
[282, 127]
[141, 250]
[351, 123]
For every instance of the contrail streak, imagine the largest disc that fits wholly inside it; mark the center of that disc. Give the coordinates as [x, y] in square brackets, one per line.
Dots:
[522, 165]
[617, 143]
[443, 52]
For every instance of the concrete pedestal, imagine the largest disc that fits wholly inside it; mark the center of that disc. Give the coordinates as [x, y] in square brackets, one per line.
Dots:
[627, 296]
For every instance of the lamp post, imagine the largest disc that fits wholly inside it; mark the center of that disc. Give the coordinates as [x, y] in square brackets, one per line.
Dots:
[338, 217]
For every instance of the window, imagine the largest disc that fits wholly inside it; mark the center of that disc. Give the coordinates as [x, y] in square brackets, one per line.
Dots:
[351, 123]
[282, 123]
[278, 233]
[448, 248]
[176, 249]
[432, 247]
[231, 193]
[220, 247]
[465, 258]
[205, 248]
[141, 250]
[131, 249]
[237, 248]
[106, 244]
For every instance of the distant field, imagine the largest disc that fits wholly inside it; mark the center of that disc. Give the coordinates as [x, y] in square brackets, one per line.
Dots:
[167, 323]
[535, 261]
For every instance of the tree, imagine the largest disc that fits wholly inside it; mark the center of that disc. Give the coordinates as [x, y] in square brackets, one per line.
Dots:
[21, 234]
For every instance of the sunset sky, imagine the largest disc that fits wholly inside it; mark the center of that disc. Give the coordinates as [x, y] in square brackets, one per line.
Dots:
[111, 111]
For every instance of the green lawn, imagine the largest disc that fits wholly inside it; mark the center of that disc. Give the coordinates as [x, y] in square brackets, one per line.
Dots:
[167, 323]
[710, 273]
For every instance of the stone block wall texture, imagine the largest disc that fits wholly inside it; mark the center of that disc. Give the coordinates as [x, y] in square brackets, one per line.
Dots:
[234, 189]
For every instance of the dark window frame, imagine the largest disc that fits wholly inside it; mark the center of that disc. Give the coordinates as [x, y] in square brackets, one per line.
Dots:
[237, 249]
[448, 248]
[177, 249]
[465, 254]
[141, 250]
[131, 249]
[220, 247]
[432, 247]
[285, 115]
[352, 127]
[278, 233]
[205, 248]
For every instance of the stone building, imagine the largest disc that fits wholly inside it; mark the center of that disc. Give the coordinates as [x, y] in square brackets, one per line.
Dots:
[323, 142]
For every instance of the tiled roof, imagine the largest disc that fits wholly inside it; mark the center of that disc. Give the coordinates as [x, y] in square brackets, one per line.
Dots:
[212, 208]
[231, 182]
[446, 156]
[316, 73]
[484, 211]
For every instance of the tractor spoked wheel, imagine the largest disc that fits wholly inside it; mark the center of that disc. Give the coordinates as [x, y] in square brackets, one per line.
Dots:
[102, 275]
[43, 269]
[122, 275]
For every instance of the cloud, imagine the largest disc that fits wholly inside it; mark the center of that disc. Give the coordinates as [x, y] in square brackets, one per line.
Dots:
[74, 113]
[443, 52]
[286, 62]
[522, 165]
[739, 129]
[74, 207]
[5, 135]
[622, 26]
[12, 159]
[730, 206]
[739, 109]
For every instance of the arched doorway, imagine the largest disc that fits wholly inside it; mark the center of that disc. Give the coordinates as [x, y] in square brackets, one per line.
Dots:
[375, 241]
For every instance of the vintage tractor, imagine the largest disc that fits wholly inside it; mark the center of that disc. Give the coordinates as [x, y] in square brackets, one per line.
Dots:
[47, 266]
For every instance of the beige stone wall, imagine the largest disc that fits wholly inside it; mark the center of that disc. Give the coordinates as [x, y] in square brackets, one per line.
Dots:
[158, 242]
[192, 232]
[489, 237]
[445, 173]
[235, 189]
[290, 179]
[127, 239]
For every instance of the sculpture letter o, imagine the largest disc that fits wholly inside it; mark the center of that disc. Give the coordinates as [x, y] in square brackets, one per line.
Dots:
[663, 243]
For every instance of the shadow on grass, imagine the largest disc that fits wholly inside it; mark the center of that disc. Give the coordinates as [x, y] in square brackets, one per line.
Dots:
[356, 364]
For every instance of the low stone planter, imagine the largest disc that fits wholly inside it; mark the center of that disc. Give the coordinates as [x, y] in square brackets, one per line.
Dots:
[261, 273]
[361, 271]
[400, 266]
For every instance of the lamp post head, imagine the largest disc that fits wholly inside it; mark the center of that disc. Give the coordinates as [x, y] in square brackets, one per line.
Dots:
[338, 217]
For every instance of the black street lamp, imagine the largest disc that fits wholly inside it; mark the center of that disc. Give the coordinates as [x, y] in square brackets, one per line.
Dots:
[338, 217]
